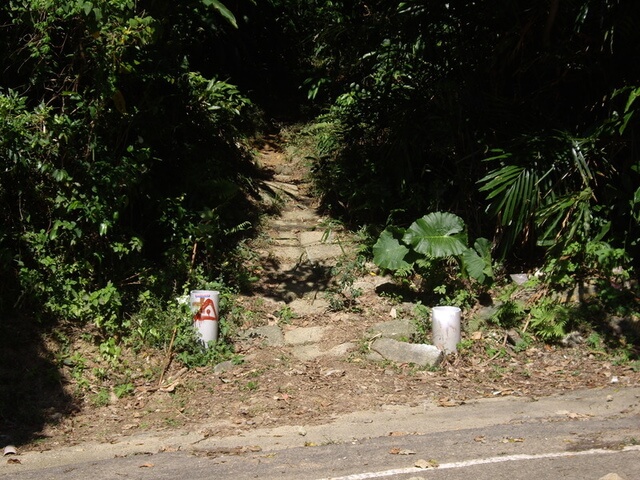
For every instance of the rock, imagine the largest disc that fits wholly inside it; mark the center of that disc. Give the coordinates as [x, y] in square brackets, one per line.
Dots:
[400, 352]
[482, 316]
[289, 297]
[395, 329]
[306, 353]
[513, 337]
[581, 292]
[271, 334]
[303, 307]
[287, 254]
[301, 336]
[486, 312]
[311, 352]
[369, 283]
[323, 253]
[340, 350]
[625, 326]
[572, 339]
[315, 237]
[374, 357]
[223, 367]
[612, 476]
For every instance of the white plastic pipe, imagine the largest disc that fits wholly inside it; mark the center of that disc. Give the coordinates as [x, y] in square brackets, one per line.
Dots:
[205, 309]
[445, 322]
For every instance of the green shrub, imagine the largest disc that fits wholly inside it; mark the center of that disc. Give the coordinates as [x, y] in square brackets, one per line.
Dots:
[430, 239]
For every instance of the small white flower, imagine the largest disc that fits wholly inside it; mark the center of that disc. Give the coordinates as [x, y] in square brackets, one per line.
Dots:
[182, 300]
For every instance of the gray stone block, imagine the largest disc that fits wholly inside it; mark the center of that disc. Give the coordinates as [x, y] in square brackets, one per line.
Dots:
[301, 336]
[396, 329]
[270, 333]
[400, 352]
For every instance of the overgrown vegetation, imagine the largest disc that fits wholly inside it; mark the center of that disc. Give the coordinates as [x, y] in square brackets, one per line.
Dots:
[518, 118]
[501, 115]
[125, 181]
[127, 178]
[123, 165]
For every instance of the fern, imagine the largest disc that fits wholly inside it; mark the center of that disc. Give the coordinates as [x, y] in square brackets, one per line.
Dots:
[548, 320]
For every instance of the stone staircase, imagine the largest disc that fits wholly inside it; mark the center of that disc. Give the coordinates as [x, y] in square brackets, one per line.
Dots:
[296, 263]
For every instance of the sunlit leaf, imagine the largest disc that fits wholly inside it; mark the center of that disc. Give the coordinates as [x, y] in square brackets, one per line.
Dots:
[473, 264]
[389, 253]
[439, 234]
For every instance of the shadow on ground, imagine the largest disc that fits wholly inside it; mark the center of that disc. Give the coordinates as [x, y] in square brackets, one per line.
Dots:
[304, 279]
[31, 385]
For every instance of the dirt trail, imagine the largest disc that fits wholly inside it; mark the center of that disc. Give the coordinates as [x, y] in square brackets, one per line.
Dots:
[306, 347]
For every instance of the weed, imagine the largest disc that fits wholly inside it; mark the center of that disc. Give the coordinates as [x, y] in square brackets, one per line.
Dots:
[102, 398]
[110, 351]
[150, 373]
[285, 389]
[464, 346]
[171, 422]
[394, 298]
[422, 323]
[509, 313]
[337, 301]
[285, 360]
[123, 390]
[285, 315]
[78, 364]
[100, 373]
[250, 386]
[499, 371]
[330, 441]
[623, 355]
[431, 240]
[171, 323]
[494, 352]
[594, 341]
[524, 343]
[82, 385]
[343, 294]
[461, 297]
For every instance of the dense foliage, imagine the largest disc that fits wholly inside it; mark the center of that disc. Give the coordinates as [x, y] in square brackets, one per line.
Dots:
[126, 175]
[122, 167]
[122, 123]
[517, 116]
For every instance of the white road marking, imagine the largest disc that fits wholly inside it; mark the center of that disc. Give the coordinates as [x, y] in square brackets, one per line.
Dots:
[484, 461]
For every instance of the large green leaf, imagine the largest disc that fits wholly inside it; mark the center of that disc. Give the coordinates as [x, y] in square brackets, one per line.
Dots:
[473, 264]
[389, 253]
[438, 235]
[483, 247]
[477, 263]
[224, 11]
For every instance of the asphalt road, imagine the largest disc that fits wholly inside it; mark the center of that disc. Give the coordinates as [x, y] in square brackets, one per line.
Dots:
[597, 433]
